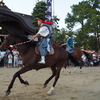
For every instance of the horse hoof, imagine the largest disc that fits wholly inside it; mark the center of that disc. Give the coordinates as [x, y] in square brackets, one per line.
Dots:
[80, 71]
[62, 70]
[70, 72]
[49, 93]
[74, 71]
[26, 83]
[7, 93]
[44, 86]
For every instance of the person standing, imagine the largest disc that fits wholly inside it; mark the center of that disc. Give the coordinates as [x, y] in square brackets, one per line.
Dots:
[45, 33]
[16, 54]
[5, 59]
[20, 64]
[10, 60]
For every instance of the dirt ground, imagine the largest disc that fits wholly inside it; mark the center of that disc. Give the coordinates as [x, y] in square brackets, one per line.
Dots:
[74, 86]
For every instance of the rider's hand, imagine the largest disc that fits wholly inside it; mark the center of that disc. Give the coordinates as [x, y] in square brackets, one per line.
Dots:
[32, 38]
[62, 44]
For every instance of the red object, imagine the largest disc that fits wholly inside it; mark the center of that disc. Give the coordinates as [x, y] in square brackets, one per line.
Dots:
[10, 47]
[50, 23]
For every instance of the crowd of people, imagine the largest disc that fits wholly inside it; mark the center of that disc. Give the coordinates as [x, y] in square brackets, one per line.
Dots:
[10, 58]
[95, 59]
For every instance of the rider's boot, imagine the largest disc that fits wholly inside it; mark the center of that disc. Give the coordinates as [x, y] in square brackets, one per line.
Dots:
[42, 61]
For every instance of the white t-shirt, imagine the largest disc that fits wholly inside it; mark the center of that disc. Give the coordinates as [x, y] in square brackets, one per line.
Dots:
[94, 55]
[43, 31]
[15, 53]
[10, 58]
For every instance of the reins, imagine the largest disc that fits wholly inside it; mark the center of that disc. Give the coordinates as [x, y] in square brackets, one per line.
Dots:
[21, 43]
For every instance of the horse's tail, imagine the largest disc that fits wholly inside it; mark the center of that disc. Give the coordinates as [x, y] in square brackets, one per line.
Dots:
[88, 56]
[74, 60]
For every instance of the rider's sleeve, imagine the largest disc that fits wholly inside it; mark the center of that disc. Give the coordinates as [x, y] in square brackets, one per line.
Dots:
[43, 31]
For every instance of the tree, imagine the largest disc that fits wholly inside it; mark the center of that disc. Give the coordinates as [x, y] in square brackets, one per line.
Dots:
[87, 14]
[92, 43]
[39, 11]
[55, 27]
[60, 37]
[78, 16]
[93, 22]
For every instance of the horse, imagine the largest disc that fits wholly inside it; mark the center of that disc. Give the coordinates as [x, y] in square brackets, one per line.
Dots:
[77, 54]
[30, 59]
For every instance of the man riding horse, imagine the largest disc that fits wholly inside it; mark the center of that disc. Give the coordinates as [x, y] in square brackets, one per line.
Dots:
[69, 43]
[45, 33]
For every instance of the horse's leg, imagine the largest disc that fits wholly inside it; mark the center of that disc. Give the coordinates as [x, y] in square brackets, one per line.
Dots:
[75, 69]
[82, 64]
[56, 79]
[67, 64]
[22, 81]
[63, 69]
[68, 70]
[17, 74]
[53, 68]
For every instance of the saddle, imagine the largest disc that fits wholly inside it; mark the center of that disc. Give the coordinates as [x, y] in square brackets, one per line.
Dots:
[72, 53]
[50, 53]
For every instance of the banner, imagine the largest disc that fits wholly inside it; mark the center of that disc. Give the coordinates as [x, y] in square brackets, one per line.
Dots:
[49, 11]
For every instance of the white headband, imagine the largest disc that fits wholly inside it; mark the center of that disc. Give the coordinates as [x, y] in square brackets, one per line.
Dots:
[67, 35]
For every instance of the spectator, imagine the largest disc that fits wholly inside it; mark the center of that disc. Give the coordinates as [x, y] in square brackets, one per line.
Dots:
[2, 56]
[10, 60]
[94, 59]
[16, 54]
[5, 59]
[20, 62]
[84, 59]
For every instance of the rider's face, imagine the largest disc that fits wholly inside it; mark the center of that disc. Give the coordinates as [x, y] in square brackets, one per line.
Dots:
[66, 37]
[39, 23]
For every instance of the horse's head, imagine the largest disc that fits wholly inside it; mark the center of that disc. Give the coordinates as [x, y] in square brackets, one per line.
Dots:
[15, 38]
[7, 41]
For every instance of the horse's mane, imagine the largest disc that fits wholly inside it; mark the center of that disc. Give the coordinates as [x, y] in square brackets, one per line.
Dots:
[23, 38]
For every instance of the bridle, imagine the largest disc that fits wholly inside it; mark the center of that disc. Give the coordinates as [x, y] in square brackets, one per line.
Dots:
[21, 43]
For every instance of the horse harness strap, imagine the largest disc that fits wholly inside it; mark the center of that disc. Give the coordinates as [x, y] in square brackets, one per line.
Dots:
[21, 43]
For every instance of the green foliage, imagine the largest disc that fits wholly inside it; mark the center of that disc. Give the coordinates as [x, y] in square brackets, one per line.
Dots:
[60, 37]
[92, 43]
[87, 14]
[39, 11]
[55, 26]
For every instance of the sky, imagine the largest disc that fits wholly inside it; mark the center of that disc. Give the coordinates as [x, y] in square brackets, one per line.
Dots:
[60, 7]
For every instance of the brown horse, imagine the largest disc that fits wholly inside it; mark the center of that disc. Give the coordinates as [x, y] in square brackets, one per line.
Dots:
[77, 54]
[30, 59]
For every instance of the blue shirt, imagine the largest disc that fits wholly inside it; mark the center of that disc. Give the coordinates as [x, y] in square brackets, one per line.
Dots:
[70, 42]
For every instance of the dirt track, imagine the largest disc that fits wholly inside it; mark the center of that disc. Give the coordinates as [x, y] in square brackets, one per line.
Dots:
[74, 86]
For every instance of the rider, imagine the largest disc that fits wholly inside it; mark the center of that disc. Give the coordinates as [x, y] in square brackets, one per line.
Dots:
[69, 43]
[45, 33]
